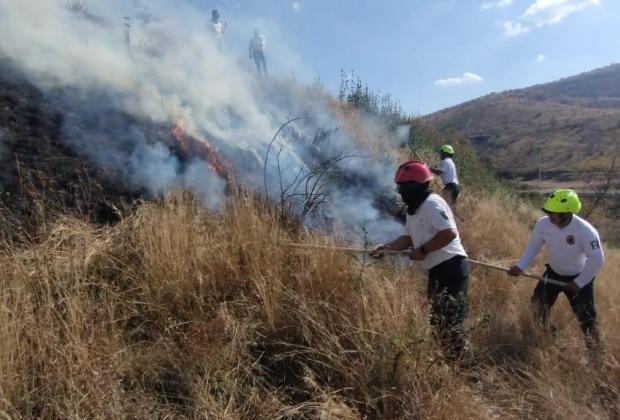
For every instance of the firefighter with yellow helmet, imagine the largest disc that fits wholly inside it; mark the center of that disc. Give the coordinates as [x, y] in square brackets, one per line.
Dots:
[575, 257]
[447, 171]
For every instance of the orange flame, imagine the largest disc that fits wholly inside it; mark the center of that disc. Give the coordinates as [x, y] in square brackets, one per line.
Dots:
[199, 148]
[178, 129]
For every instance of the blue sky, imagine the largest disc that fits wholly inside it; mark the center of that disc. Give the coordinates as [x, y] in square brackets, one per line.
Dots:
[431, 54]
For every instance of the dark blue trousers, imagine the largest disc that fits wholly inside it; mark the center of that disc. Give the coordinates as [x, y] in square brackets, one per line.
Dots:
[582, 303]
[447, 294]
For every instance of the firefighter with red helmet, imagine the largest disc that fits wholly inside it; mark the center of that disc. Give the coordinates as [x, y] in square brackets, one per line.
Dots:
[432, 235]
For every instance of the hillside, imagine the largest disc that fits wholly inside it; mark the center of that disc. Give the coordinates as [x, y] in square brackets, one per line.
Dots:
[561, 128]
[176, 311]
[184, 297]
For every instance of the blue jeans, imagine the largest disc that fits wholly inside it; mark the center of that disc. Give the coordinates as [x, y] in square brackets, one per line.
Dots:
[261, 64]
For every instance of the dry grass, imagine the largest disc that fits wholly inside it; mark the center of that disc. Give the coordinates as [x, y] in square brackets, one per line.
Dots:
[179, 313]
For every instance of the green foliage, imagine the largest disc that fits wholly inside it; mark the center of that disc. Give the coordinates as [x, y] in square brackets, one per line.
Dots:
[473, 173]
[357, 94]
[424, 140]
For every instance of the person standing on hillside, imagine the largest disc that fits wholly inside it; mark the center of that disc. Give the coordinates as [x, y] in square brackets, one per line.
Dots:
[575, 257]
[447, 171]
[217, 27]
[257, 53]
[432, 234]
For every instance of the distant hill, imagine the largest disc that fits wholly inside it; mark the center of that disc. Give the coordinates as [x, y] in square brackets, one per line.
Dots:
[561, 127]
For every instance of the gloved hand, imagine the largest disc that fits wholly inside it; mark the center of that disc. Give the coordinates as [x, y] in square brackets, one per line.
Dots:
[416, 255]
[377, 251]
[515, 271]
[572, 287]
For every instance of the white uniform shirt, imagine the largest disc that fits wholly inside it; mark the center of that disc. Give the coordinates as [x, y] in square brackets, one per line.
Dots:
[433, 216]
[449, 171]
[573, 249]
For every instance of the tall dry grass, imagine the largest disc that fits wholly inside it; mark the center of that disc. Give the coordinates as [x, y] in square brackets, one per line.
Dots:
[179, 313]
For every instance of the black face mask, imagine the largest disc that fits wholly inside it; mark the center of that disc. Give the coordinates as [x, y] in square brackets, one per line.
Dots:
[414, 194]
[564, 218]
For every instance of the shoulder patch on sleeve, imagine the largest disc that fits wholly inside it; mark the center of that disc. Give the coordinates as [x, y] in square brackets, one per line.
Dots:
[595, 244]
[444, 215]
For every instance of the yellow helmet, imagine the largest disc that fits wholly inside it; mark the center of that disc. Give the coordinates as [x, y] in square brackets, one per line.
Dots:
[562, 201]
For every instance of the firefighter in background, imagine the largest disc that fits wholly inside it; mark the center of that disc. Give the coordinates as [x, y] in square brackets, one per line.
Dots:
[257, 53]
[432, 234]
[447, 172]
[575, 257]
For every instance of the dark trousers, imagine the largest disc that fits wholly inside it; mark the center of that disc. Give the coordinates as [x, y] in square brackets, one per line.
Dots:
[261, 64]
[454, 190]
[582, 304]
[447, 294]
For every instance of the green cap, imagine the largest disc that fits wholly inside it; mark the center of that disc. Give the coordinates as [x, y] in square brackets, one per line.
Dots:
[447, 149]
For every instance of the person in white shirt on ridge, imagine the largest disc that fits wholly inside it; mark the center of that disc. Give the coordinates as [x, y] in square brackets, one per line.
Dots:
[447, 171]
[217, 27]
[257, 52]
[575, 257]
[432, 234]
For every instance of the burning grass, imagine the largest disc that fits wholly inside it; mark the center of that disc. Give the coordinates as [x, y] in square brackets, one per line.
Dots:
[191, 147]
[177, 312]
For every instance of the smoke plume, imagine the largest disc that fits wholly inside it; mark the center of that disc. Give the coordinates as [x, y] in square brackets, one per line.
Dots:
[127, 76]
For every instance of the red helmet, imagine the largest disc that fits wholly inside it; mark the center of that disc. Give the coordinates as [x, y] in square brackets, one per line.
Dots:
[413, 171]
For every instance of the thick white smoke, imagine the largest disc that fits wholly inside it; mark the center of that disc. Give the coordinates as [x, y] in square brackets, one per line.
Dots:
[116, 67]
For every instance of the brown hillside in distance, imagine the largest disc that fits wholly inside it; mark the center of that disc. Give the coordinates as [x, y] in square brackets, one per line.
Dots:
[562, 127]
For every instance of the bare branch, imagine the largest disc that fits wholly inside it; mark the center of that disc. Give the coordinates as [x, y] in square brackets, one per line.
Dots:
[269, 149]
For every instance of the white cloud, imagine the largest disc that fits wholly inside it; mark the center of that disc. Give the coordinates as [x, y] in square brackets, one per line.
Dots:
[466, 79]
[514, 28]
[497, 3]
[296, 5]
[540, 58]
[544, 13]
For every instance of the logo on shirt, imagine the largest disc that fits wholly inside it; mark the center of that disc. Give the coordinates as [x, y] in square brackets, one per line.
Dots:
[595, 245]
[444, 215]
[570, 239]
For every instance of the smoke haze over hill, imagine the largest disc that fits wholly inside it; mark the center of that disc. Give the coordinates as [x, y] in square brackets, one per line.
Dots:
[124, 88]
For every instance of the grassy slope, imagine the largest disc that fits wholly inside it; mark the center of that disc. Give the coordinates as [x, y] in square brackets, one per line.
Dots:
[522, 134]
[177, 312]
[555, 126]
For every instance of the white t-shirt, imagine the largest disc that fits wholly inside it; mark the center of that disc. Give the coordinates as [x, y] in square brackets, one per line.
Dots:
[218, 29]
[573, 249]
[433, 216]
[449, 171]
